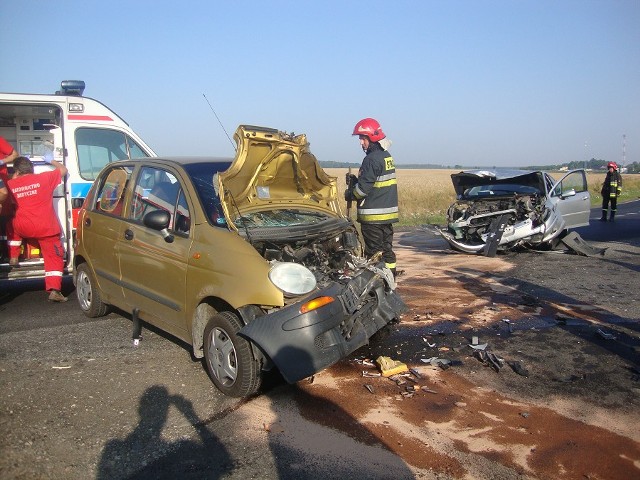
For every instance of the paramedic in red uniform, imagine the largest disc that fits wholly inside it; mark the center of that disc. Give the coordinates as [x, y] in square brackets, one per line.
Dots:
[7, 155]
[36, 219]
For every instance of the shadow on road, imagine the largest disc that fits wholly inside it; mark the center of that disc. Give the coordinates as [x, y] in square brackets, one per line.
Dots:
[145, 454]
[326, 442]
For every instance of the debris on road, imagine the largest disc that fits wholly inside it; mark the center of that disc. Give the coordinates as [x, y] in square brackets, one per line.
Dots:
[390, 367]
[606, 335]
[369, 387]
[517, 367]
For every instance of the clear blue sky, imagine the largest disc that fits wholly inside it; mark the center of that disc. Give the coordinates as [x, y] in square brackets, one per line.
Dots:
[470, 82]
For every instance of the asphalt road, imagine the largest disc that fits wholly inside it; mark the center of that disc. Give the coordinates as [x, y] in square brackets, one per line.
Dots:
[78, 400]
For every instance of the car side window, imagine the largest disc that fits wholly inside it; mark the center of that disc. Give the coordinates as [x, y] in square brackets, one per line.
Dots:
[576, 181]
[158, 189]
[111, 195]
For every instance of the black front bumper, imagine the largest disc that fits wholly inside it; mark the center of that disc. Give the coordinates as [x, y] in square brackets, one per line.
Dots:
[301, 344]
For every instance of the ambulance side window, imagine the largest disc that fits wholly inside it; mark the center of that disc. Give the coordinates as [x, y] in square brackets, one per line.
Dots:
[97, 147]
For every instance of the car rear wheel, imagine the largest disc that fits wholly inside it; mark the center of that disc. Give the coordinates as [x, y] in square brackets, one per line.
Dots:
[229, 358]
[88, 294]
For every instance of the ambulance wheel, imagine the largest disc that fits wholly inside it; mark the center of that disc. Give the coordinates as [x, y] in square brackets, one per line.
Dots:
[89, 294]
[229, 358]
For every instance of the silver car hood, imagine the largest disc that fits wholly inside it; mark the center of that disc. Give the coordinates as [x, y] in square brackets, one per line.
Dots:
[473, 178]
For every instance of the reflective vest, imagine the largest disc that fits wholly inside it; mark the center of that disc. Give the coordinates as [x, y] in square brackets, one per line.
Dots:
[377, 189]
[612, 186]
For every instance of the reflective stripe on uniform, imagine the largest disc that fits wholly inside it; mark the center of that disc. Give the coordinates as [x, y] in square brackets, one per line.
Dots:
[53, 274]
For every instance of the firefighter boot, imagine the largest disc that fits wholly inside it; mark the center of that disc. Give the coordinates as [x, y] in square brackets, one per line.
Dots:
[612, 217]
[603, 218]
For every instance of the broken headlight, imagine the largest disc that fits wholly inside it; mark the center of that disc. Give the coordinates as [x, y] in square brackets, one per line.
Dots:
[292, 278]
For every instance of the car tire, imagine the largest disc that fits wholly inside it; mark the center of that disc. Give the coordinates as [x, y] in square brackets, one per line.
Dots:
[88, 293]
[230, 361]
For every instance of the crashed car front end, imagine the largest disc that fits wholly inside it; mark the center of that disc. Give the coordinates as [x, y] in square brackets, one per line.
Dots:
[495, 213]
[313, 333]
[521, 220]
[279, 200]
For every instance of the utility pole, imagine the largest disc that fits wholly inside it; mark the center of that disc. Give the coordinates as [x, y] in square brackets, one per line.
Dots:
[586, 155]
[624, 149]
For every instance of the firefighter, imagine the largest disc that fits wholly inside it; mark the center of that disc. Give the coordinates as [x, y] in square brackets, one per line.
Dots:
[36, 219]
[611, 190]
[375, 190]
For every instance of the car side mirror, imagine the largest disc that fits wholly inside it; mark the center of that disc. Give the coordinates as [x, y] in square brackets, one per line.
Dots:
[568, 193]
[159, 220]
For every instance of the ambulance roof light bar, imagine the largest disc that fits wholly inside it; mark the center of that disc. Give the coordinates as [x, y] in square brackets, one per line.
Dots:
[71, 87]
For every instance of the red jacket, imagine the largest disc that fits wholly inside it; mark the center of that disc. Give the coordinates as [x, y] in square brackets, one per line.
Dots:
[33, 194]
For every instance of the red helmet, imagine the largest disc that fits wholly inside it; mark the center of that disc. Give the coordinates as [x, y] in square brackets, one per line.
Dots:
[370, 128]
[613, 165]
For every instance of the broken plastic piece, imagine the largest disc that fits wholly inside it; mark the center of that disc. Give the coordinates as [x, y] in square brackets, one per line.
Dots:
[495, 361]
[398, 379]
[605, 335]
[479, 347]
[519, 368]
[390, 367]
[415, 373]
[369, 387]
[370, 374]
[575, 242]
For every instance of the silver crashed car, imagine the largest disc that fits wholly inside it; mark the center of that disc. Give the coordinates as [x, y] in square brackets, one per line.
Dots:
[503, 209]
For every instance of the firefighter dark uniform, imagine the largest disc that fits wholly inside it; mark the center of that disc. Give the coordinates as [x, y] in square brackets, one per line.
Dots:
[36, 219]
[611, 190]
[376, 193]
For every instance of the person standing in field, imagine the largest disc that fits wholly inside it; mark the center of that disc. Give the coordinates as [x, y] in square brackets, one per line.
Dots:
[611, 190]
[36, 219]
[375, 190]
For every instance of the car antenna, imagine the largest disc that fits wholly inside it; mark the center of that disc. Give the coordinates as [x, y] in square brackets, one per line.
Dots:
[223, 129]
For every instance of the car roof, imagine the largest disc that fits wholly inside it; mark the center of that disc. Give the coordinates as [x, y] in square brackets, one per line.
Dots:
[182, 160]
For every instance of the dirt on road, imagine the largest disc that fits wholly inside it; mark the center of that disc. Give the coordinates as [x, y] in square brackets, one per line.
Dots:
[559, 400]
[553, 395]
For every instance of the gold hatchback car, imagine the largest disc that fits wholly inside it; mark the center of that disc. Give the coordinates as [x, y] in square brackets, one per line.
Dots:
[250, 260]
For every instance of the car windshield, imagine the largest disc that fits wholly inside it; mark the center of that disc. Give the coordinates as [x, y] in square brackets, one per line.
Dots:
[280, 218]
[203, 176]
[499, 189]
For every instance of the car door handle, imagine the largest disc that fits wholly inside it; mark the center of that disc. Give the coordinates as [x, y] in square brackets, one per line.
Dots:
[128, 234]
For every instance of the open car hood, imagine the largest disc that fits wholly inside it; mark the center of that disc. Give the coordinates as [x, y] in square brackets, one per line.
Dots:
[272, 170]
[473, 178]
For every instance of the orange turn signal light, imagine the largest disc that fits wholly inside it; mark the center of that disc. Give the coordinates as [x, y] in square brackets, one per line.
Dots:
[315, 304]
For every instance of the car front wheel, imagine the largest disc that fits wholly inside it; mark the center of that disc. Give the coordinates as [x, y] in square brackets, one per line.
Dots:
[229, 358]
[88, 293]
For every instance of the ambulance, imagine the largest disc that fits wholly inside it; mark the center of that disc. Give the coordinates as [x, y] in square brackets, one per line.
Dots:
[75, 130]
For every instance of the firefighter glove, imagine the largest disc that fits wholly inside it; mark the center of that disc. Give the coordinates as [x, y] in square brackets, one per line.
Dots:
[348, 195]
[351, 180]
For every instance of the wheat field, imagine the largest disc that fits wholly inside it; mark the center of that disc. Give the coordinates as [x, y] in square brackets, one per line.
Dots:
[424, 195]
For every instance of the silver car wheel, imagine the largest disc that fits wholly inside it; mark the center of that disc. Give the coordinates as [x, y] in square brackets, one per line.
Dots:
[83, 289]
[222, 357]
